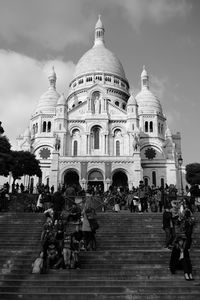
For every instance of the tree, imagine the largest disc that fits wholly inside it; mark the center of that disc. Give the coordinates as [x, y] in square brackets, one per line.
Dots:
[25, 163]
[6, 159]
[193, 173]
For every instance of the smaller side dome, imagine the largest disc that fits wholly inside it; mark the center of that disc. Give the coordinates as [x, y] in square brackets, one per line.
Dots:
[49, 99]
[147, 102]
[62, 100]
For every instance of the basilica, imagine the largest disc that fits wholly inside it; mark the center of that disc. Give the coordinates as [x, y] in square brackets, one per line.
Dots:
[101, 133]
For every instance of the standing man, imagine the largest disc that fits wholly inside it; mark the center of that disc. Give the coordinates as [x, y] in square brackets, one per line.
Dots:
[143, 197]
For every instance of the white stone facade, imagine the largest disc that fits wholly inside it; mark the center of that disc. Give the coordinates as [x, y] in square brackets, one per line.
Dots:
[100, 133]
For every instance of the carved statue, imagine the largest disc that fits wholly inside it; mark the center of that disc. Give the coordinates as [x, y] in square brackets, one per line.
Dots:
[136, 142]
[57, 143]
[97, 105]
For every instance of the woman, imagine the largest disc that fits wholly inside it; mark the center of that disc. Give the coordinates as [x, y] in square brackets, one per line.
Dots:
[180, 258]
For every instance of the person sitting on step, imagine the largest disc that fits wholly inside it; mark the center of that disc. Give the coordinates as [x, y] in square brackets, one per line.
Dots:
[180, 258]
[54, 259]
[37, 265]
[75, 214]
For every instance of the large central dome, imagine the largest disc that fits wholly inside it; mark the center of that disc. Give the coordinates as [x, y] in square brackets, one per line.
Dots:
[99, 58]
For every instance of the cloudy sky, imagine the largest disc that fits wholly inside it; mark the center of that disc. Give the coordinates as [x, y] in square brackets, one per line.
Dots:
[162, 34]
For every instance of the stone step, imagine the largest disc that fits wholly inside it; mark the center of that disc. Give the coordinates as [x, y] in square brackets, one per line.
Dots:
[100, 296]
[99, 260]
[101, 282]
[107, 271]
[98, 289]
[129, 263]
[103, 275]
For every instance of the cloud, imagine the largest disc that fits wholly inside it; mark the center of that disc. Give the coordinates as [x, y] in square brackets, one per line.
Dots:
[157, 11]
[49, 23]
[158, 85]
[23, 81]
[54, 25]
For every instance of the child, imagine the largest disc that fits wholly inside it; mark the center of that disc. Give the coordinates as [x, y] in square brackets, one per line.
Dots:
[37, 265]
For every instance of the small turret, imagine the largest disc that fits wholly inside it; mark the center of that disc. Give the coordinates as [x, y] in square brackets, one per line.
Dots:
[132, 113]
[52, 78]
[99, 32]
[144, 79]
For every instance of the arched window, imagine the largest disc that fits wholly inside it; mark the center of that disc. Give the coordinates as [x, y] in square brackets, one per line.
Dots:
[154, 178]
[117, 103]
[117, 148]
[151, 126]
[60, 126]
[44, 127]
[75, 152]
[161, 129]
[158, 127]
[33, 128]
[96, 133]
[146, 126]
[49, 127]
[36, 128]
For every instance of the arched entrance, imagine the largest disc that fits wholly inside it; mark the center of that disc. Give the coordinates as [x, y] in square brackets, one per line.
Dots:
[95, 181]
[71, 178]
[120, 180]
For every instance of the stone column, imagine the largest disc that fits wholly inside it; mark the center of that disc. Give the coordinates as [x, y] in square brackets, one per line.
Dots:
[105, 144]
[54, 172]
[107, 184]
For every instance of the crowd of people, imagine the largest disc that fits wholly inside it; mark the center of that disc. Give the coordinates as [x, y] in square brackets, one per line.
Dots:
[59, 247]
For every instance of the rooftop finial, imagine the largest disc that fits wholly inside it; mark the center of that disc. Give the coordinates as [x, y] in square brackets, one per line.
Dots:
[52, 78]
[144, 72]
[99, 32]
[144, 79]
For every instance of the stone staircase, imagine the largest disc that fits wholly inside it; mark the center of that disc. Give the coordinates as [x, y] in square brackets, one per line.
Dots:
[130, 262]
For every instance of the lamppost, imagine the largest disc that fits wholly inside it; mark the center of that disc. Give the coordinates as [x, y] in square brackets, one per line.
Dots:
[180, 162]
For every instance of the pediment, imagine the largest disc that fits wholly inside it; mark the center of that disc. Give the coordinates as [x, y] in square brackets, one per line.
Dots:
[116, 112]
[96, 87]
[78, 112]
